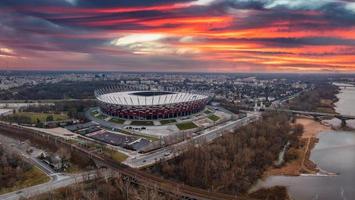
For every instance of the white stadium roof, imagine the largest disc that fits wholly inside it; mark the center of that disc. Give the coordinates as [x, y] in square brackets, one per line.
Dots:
[148, 98]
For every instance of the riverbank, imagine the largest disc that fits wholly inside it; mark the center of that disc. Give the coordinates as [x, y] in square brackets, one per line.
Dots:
[334, 152]
[302, 164]
[320, 99]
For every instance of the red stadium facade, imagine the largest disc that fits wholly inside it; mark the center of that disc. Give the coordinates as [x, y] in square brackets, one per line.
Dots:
[150, 105]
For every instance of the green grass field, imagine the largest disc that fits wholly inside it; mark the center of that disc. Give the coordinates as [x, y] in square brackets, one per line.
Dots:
[42, 116]
[115, 155]
[208, 112]
[142, 123]
[167, 121]
[186, 125]
[213, 117]
[73, 169]
[117, 120]
[94, 112]
[101, 116]
[32, 177]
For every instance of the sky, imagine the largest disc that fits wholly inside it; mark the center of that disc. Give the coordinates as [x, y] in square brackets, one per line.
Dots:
[178, 35]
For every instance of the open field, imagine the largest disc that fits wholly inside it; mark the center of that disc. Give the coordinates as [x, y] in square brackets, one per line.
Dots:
[142, 123]
[117, 120]
[213, 118]
[94, 112]
[208, 112]
[32, 177]
[186, 125]
[167, 121]
[101, 116]
[42, 117]
[73, 169]
[115, 155]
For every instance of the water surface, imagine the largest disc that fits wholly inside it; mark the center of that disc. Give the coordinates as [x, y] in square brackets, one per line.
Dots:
[335, 152]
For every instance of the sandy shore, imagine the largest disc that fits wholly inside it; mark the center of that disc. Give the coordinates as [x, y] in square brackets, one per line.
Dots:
[311, 127]
[309, 139]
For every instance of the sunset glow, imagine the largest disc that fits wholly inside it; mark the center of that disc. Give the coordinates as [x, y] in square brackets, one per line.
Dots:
[178, 35]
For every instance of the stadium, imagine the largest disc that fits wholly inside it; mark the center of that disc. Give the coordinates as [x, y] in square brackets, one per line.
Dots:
[149, 104]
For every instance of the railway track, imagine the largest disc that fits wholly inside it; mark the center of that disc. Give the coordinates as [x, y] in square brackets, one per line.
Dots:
[139, 177]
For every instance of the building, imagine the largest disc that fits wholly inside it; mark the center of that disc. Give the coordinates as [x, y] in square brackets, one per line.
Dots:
[6, 112]
[149, 105]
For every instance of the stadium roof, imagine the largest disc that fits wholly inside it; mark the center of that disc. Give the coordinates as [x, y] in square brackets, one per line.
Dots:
[148, 98]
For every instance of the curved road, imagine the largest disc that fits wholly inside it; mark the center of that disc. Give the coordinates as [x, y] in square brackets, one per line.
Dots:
[137, 176]
[58, 181]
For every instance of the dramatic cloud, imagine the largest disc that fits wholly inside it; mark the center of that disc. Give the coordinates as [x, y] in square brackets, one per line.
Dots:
[178, 35]
[298, 4]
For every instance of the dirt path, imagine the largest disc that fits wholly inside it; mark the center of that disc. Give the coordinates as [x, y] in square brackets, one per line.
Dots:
[305, 153]
[302, 164]
[310, 167]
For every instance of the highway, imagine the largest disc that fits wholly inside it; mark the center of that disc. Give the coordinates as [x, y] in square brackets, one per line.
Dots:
[205, 136]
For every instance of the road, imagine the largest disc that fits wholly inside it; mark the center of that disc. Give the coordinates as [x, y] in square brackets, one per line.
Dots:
[278, 103]
[20, 148]
[205, 136]
[56, 183]
[57, 180]
[137, 176]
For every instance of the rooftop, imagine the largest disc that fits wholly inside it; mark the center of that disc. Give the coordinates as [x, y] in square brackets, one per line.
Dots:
[148, 98]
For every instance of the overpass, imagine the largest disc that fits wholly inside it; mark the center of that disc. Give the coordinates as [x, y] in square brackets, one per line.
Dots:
[138, 177]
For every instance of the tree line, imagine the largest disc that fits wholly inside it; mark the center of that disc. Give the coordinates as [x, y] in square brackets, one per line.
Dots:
[50, 146]
[60, 90]
[74, 110]
[234, 162]
[312, 100]
[12, 169]
[116, 188]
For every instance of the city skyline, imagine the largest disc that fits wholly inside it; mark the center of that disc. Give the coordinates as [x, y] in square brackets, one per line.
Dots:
[178, 35]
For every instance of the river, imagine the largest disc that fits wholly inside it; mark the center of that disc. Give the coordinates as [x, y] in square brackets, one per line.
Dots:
[345, 105]
[335, 152]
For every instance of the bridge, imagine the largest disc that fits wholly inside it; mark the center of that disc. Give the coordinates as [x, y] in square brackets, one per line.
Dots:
[138, 177]
[343, 118]
[346, 86]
